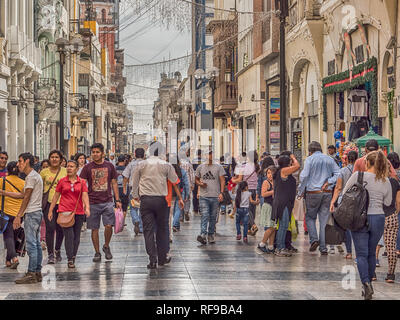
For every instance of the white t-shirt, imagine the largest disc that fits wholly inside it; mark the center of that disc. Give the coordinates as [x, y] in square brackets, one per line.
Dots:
[245, 199]
[34, 181]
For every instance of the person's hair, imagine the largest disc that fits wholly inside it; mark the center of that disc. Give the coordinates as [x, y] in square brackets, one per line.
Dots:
[352, 156]
[156, 148]
[272, 169]
[78, 155]
[121, 158]
[241, 187]
[314, 146]
[74, 162]
[378, 160]
[139, 153]
[36, 158]
[44, 161]
[286, 153]
[253, 156]
[283, 162]
[233, 164]
[277, 156]
[332, 147]
[12, 168]
[222, 159]
[97, 146]
[5, 153]
[58, 152]
[265, 164]
[173, 159]
[372, 145]
[28, 156]
[394, 159]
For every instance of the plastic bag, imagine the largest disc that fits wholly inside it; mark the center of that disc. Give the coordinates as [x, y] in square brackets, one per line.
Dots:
[334, 234]
[299, 209]
[119, 221]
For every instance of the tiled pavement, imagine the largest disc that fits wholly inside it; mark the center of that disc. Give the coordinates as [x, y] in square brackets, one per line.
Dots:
[227, 269]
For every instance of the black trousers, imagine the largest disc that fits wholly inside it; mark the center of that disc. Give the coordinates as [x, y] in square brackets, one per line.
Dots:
[9, 241]
[51, 228]
[73, 236]
[154, 212]
[195, 200]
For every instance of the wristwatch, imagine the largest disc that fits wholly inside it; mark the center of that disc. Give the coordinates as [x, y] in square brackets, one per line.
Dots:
[117, 200]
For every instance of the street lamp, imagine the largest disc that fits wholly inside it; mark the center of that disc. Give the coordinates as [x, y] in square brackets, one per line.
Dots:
[64, 47]
[209, 77]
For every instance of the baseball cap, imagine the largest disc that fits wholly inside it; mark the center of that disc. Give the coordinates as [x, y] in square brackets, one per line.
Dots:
[372, 145]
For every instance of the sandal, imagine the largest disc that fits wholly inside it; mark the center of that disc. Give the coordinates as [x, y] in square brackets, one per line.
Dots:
[349, 256]
[8, 264]
[14, 264]
[71, 264]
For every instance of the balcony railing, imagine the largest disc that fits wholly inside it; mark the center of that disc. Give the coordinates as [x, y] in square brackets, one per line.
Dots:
[107, 21]
[226, 96]
[46, 82]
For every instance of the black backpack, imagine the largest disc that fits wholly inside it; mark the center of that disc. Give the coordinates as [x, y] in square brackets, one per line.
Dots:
[352, 211]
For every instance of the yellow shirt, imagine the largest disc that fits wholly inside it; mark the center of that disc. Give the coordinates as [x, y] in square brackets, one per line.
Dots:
[11, 205]
[48, 178]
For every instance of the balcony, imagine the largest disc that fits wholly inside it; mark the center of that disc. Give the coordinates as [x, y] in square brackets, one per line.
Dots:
[312, 108]
[226, 97]
[105, 21]
[47, 90]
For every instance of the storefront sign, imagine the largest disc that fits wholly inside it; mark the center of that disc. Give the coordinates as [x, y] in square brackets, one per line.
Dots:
[275, 114]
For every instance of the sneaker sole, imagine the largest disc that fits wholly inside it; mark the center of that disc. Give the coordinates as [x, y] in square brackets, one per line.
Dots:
[314, 247]
[201, 240]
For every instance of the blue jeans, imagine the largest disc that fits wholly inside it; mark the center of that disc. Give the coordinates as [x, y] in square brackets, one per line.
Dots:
[208, 209]
[318, 206]
[176, 214]
[32, 236]
[365, 242]
[283, 226]
[135, 214]
[348, 241]
[242, 215]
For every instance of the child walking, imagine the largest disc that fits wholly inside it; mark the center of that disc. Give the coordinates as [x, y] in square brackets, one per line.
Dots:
[242, 203]
[267, 192]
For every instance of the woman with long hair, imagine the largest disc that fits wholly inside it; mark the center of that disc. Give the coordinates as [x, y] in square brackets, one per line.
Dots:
[80, 158]
[72, 195]
[344, 176]
[284, 196]
[366, 239]
[11, 183]
[249, 173]
[51, 176]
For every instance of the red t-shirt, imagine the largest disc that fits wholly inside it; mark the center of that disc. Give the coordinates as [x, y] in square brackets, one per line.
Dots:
[99, 177]
[68, 197]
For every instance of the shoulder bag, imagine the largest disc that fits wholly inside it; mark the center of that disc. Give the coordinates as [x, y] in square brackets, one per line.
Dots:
[45, 198]
[67, 219]
[4, 219]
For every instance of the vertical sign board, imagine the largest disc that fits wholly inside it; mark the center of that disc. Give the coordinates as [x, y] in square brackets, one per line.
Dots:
[274, 120]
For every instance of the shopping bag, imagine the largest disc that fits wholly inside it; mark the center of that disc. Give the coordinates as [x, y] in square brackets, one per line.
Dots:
[299, 209]
[293, 228]
[119, 221]
[334, 234]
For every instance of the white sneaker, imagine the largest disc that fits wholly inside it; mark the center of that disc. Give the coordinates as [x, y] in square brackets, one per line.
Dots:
[332, 251]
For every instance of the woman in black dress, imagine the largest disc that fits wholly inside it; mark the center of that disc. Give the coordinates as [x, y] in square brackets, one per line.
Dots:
[284, 196]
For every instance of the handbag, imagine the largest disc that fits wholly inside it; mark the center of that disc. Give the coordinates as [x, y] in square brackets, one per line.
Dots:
[4, 219]
[45, 198]
[67, 219]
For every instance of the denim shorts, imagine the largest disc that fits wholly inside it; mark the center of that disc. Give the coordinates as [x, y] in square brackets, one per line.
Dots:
[104, 211]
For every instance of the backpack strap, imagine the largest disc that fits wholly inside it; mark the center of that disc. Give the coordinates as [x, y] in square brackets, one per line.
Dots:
[360, 178]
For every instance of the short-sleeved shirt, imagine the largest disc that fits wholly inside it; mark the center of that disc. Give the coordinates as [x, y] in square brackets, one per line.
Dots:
[11, 205]
[130, 169]
[360, 166]
[48, 178]
[210, 174]
[99, 178]
[345, 174]
[34, 181]
[68, 197]
[150, 178]
[245, 199]
[389, 210]
[120, 179]
[249, 175]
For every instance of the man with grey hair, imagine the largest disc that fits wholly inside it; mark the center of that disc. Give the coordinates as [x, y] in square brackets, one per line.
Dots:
[317, 181]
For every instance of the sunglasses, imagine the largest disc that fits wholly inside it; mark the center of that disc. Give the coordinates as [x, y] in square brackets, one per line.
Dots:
[3, 158]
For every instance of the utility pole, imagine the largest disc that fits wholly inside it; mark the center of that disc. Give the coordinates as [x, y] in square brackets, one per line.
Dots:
[282, 6]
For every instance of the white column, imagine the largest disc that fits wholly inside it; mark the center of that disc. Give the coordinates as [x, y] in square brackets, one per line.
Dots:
[21, 129]
[30, 129]
[12, 121]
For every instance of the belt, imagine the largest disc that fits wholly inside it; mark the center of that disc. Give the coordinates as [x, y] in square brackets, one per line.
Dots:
[319, 191]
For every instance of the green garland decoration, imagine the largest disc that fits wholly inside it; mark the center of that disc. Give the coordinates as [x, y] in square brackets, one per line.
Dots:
[371, 77]
[390, 96]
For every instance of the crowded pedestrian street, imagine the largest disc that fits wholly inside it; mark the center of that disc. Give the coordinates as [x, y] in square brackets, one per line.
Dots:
[226, 270]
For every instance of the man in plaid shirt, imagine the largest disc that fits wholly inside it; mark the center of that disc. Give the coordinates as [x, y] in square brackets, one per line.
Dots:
[187, 166]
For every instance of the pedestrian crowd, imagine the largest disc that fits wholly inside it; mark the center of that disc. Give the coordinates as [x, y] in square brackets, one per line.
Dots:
[57, 199]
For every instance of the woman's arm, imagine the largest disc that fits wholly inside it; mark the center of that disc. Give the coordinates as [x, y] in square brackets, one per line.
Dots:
[338, 189]
[53, 204]
[14, 195]
[264, 192]
[285, 172]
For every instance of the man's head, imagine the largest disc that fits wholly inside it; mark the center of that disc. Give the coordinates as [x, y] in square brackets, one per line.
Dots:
[314, 146]
[26, 161]
[121, 160]
[112, 156]
[3, 159]
[97, 152]
[371, 145]
[55, 158]
[332, 150]
[139, 153]
[210, 156]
